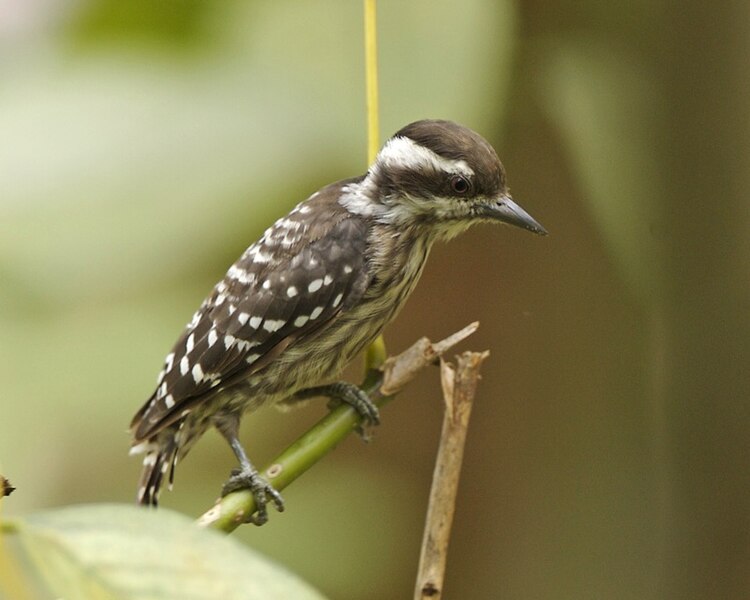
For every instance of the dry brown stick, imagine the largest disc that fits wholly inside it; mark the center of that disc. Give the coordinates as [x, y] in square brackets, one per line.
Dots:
[459, 386]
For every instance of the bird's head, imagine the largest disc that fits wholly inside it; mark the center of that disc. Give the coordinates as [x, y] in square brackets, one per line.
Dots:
[440, 176]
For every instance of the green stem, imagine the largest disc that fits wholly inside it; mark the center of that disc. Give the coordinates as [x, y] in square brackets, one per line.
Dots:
[234, 509]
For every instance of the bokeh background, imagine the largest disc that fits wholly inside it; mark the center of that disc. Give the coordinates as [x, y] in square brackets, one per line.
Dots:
[145, 144]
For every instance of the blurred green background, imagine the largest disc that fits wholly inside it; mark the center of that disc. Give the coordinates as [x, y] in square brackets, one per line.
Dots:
[144, 145]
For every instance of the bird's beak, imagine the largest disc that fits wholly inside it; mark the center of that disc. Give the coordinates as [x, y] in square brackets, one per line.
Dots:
[505, 210]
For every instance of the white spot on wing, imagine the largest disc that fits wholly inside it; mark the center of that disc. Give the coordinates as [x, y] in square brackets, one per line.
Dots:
[270, 325]
[169, 362]
[347, 269]
[190, 343]
[316, 313]
[243, 317]
[300, 321]
[169, 401]
[184, 365]
[327, 280]
[228, 341]
[291, 291]
[252, 358]
[197, 373]
[315, 285]
[238, 274]
[337, 300]
[212, 337]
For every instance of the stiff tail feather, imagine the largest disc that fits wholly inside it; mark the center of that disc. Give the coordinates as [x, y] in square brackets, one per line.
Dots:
[161, 456]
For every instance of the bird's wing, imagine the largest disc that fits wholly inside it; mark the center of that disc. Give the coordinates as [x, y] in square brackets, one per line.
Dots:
[306, 269]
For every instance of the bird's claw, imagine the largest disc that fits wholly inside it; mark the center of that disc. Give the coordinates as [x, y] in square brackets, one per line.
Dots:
[350, 394]
[262, 491]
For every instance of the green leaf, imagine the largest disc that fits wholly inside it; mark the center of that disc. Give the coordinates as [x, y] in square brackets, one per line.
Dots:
[102, 551]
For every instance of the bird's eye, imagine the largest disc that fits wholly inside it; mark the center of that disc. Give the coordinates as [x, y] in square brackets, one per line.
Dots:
[459, 184]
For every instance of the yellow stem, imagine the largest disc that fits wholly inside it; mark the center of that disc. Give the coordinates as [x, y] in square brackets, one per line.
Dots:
[376, 353]
[371, 80]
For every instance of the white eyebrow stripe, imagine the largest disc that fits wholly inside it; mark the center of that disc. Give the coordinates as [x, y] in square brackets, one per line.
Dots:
[404, 152]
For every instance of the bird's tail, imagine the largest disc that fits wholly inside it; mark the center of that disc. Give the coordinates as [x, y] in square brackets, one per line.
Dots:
[161, 457]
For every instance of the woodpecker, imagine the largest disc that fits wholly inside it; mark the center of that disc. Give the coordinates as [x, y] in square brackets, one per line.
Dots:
[318, 287]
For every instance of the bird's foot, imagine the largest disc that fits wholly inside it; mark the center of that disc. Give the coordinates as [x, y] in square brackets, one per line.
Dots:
[262, 491]
[350, 394]
[346, 393]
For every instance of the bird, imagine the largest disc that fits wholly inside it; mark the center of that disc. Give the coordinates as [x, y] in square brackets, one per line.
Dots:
[319, 286]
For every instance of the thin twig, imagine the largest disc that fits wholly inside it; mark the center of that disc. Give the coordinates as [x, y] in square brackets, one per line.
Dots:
[371, 80]
[234, 509]
[376, 352]
[459, 386]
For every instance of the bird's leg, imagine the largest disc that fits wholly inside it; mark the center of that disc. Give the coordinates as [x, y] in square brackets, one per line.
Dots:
[247, 476]
[348, 393]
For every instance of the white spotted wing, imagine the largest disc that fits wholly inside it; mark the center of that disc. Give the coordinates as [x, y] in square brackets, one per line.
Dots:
[306, 269]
